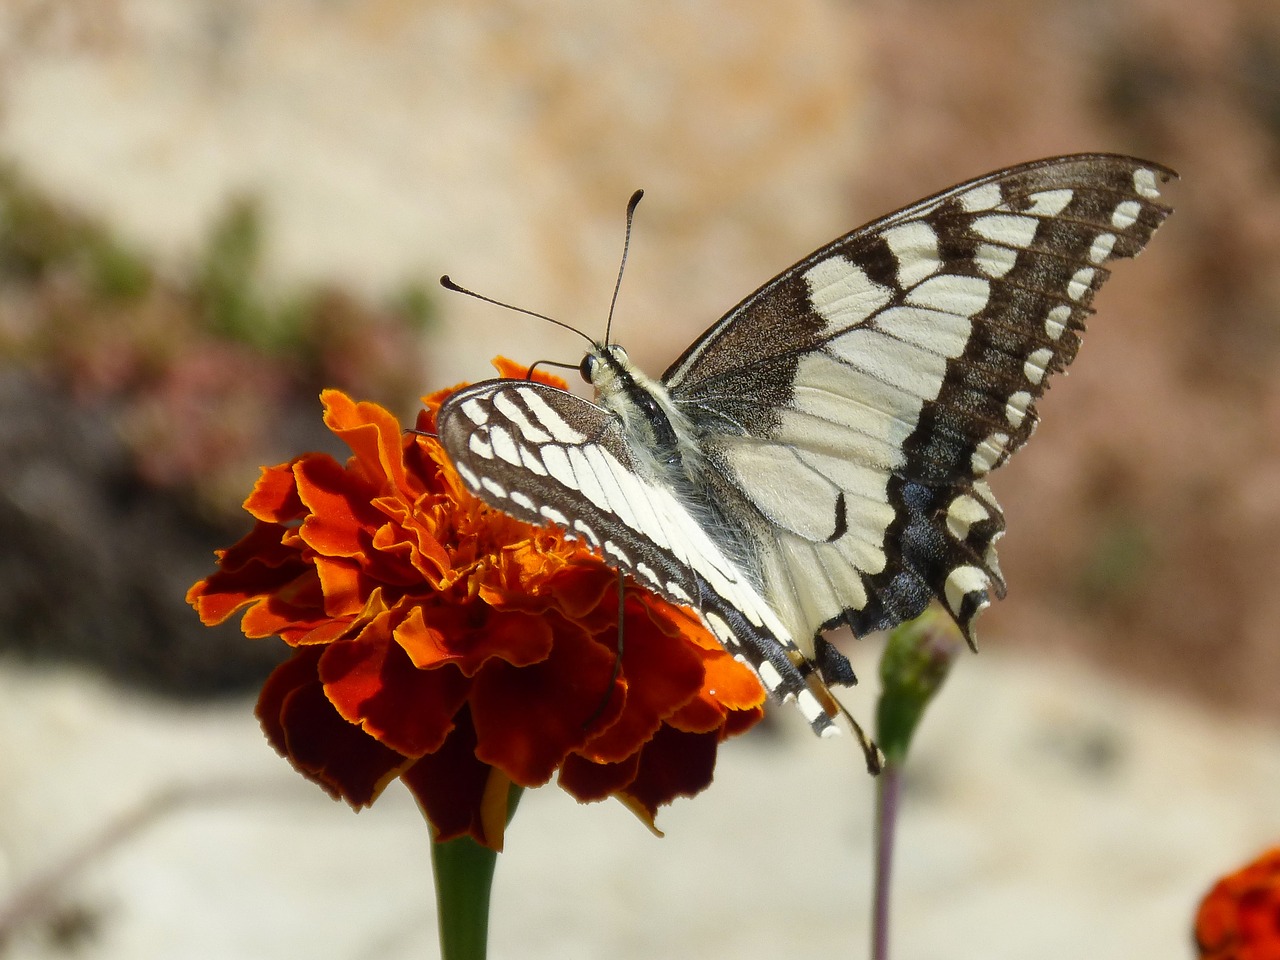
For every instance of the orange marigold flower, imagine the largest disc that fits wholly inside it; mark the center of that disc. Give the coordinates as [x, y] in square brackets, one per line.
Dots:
[447, 644]
[1239, 919]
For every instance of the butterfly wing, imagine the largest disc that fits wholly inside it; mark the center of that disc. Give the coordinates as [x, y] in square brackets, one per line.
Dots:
[850, 409]
[544, 455]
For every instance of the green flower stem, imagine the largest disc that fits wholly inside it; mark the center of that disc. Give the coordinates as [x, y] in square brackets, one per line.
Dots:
[916, 660]
[464, 878]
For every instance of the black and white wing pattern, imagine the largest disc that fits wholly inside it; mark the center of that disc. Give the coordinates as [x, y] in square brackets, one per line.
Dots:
[820, 455]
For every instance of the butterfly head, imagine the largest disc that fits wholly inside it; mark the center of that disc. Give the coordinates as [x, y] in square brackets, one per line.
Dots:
[603, 365]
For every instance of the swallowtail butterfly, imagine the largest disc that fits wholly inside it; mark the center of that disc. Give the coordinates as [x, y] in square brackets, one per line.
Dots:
[820, 455]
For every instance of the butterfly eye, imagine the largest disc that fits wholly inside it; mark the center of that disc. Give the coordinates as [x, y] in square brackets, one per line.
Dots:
[588, 368]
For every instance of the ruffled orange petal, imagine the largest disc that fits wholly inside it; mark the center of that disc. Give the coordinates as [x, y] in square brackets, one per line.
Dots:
[1239, 919]
[340, 519]
[373, 435]
[370, 682]
[275, 496]
[453, 646]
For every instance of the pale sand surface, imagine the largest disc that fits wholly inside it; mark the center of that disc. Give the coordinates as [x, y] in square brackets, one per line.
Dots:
[1050, 814]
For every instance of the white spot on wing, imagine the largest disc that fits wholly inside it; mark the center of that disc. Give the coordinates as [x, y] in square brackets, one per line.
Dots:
[1080, 282]
[962, 581]
[1049, 203]
[769, 676]
[1056, 321]
[503, 445]
[1102, 247]
[993, 260]
[606, 470]
[965, 296]
[479, 445]
[962, 513]
[1007, 228]
[988, 453]
[916, 372]
[915, 246]
[521, 500]
[557, 464]
[1126, 214]
[676, 591]
[946, 334]
[842, 293]
[984, 197]
[1015, 411]
[515, 413]
[530, 462]
[1144, 181]
[549, 419]
[554, 515]
[810, 707]
[585, 478]
[493, 487]
[468, 475]
[1036, 365]
[648, 574]
[474, 410]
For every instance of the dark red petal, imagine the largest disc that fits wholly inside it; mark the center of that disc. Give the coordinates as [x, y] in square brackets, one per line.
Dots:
[257, 566]
[528, 718]
[303, 726]
[740, 721]
[449, 784]
[673, 764]
[590, 781]
[371, 681]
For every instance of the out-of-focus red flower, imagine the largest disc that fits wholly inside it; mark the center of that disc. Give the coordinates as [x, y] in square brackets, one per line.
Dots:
[444, 643]
[1239, 919]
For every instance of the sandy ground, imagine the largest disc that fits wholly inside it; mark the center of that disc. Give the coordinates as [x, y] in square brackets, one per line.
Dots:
[1050, 813]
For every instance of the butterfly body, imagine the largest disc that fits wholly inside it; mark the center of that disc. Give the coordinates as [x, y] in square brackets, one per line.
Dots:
[819, 456]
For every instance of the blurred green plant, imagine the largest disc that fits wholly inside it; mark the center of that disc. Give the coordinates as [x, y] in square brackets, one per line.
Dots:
[196, 369]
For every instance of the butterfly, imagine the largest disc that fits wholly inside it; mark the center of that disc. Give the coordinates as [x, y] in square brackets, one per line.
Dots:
[819, 456]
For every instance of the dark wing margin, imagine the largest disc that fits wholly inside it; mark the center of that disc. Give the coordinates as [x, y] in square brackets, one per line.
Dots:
[545, 456]
[903, 362]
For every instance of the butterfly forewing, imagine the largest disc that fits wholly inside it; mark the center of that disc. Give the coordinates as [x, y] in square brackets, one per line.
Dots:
[833, 432]
[546, 456]
[889, 372]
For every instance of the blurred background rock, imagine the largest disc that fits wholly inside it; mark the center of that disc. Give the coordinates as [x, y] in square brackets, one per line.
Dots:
[209, 209]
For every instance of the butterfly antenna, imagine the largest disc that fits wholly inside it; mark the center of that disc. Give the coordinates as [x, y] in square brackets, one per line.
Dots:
[626, 246]
[456, 288]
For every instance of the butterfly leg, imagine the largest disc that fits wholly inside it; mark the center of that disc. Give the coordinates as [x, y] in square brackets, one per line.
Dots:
[617, 660]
